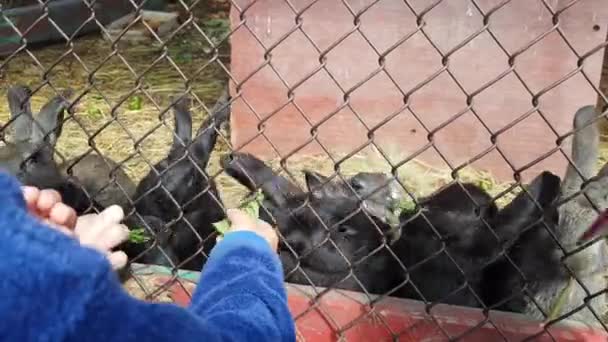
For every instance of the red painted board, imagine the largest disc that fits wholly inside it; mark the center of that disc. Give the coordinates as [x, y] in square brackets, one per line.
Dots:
[343, 315]
[297, 62]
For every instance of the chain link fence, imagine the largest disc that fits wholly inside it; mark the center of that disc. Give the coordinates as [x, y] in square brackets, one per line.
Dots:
[139, 115]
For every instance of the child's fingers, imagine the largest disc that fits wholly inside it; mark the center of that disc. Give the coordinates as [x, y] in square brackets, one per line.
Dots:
[84, 224]
[63, 215]
[46, 200]
[239, 219]
[264, 225]
[31, 194]
[57, 227]
[118, 259]
[112, 214]
[112, 236]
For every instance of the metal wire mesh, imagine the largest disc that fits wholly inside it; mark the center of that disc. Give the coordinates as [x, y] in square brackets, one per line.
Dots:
[340, 231]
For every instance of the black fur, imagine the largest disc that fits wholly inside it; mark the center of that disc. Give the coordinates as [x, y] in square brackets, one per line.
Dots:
[327, 239]
[455, 263]
[445, 226]
[179, 192]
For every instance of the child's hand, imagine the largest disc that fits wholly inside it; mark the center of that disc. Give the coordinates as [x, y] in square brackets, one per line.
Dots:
[103, 232]
[47, 206]
[241, 221]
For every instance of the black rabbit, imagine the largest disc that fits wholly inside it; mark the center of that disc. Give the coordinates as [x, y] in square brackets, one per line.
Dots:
[457, 233]
[328, 237]
[441, 228]
[104, 180]
[178, 190]
[379, 192]
[330, 240]
[154, 248]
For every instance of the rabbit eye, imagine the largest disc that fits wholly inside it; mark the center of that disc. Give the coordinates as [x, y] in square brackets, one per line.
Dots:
[346, 230]
[356, 185]
[32, 159]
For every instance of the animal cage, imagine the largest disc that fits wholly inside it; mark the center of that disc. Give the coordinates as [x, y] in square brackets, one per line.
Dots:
[378, 106]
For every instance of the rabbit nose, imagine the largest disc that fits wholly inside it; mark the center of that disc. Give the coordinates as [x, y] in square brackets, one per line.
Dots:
[227, 159]
[295, 243]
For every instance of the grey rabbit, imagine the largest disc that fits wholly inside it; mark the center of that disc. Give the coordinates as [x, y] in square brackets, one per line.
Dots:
[29, 153]
[575, 216]
[30, 156]
[537, 253]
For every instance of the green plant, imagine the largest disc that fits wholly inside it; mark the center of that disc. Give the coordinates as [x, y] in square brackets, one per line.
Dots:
[135, 103]
[251, 206]
[216, 29]
[94, 113]
[138, 236]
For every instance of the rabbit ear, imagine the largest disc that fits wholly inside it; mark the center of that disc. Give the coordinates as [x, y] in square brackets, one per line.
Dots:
[21, 112]
[183, 123]
[314, 180]
[49, 122]
[221, 109]
[320, 186]
[523, 209]
[603, 171]
[206, 136]
[584, 149]
[255, 174]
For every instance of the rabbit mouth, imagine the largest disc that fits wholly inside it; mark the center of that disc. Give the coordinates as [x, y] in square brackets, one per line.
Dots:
[227, 160]
[599, 227]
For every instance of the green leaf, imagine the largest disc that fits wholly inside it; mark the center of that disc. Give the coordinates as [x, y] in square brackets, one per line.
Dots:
[561, 300]
[135, 103]
[216, 29]
[251, 206]
[222, 226]
[138, 236]
[406, 205]
[94, 113]
[486, 184]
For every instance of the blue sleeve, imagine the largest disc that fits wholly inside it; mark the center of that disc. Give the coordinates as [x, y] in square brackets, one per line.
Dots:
[241, 289]
[52, 289]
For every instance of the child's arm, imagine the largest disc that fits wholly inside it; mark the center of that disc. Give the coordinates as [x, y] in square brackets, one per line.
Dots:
[52, 289]
[240, 297]
[241, 289]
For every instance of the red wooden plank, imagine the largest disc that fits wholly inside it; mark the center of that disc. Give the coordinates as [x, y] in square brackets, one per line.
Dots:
[347, 315]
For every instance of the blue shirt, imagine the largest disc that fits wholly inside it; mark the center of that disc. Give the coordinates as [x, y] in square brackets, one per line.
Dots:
[52, 289]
